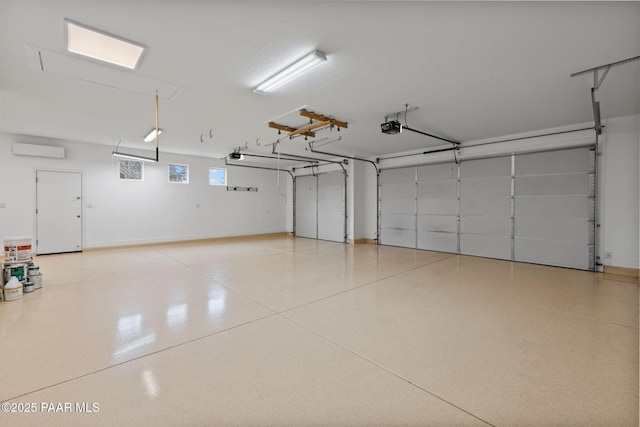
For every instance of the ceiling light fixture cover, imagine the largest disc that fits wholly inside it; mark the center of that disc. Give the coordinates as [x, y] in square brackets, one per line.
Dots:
[101, 45]
[152, 135]
[291, 72]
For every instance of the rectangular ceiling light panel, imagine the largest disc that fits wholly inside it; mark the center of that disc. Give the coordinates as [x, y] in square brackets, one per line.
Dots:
[291, 72]
[103, 46]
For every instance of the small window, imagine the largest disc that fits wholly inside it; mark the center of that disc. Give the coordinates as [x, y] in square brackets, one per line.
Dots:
[131, 170]
[217, 176]
[178, 173]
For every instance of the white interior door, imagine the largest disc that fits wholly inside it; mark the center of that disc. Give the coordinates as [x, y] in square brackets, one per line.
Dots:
[58, 212]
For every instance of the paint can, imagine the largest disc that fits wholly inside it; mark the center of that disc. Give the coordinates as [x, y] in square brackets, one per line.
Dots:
[37, 280]
[28, 287]
[33, 270]
[12, 290]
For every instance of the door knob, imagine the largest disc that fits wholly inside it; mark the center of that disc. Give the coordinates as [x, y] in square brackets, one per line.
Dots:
[78, 216]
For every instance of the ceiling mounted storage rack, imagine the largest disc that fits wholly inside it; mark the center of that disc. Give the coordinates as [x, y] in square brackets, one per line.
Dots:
[317, 122]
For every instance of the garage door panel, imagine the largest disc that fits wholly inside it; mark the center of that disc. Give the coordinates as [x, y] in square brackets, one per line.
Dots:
[438, 189]
[534, 207]
[306, 207]
[485, 246]
[438, 223]
[438, 206]
[554, 206]
[398, 176]
[493, 225]
[494, 186]
[331, 226]
[398, 221]
[397, 237]
[398, 206]
[398, 191]
[572, 184]
[320, 210]
[484, 168]
[306, 226]
[331, 209]
[332, 192]
[436, 241]
[333, 179]
[558, 253]
[498, 206]
[437, 172]
[575, 230]
[551, 162]
[331, 205]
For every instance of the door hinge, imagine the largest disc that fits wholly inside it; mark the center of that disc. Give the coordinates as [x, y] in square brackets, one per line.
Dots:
[36, 211]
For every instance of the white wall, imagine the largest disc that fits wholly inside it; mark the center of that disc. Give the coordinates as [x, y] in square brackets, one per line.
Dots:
[131, 212]
[619, 183]
[357, 198]
[619, 199]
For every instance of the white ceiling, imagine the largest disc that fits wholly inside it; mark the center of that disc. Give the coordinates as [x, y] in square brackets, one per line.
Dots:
[476, 70]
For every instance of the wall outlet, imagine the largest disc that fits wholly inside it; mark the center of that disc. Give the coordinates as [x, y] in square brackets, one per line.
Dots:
[608, 255]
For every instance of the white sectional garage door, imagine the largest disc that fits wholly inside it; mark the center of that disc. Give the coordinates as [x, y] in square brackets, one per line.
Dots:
[554, 208]
[320, 206]
[438, 207]
[398, 207]
[536, 207]
[306, 206]
[485, 207]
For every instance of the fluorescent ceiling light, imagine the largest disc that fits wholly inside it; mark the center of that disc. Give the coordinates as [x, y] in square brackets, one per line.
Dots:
[134, 157]
[152, 135]
[103, 46]
[291, 72]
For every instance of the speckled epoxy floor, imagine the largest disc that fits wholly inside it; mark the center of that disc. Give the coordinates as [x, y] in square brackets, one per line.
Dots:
[290, 331]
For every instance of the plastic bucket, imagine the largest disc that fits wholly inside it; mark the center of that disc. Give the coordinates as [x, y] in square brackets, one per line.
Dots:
[17, 249]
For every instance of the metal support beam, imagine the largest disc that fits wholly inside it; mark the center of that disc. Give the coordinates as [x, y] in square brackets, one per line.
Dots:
[456, 143]
[606, 66]
[226, 162]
